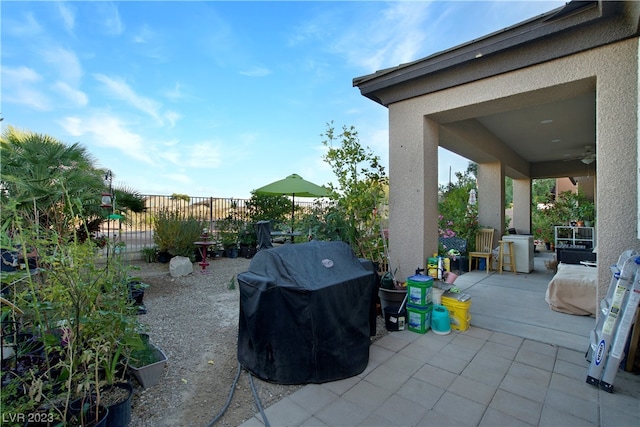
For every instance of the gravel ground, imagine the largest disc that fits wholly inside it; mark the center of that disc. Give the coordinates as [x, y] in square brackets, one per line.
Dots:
[194, 320]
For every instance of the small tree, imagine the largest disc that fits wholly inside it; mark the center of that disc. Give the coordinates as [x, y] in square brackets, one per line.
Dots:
[360, 193]
[263, 207]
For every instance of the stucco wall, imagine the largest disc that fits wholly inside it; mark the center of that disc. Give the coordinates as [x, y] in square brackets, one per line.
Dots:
[413, 135]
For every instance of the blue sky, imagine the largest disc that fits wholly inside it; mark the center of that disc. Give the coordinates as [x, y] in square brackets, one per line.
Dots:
[219, 98]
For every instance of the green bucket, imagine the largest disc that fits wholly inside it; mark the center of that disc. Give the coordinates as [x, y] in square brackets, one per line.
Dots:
[419, 290]
[418, 318]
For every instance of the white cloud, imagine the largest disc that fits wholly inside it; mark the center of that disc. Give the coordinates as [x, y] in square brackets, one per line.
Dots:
[111, 18]
[172, 117]
[109, 131]
[171, 155]
[204, 155]
[28, 28]
[76, 96]
[171, 143]
[144, 35]
[175, 93]
[393, 37]
[385, 34]
[65, 62]
[19, 75]
[310, 30]
[150, 44]
[122, 91]
[256, 72]
[73, 126]
[180, 178]
[68, 16]
[20, 86]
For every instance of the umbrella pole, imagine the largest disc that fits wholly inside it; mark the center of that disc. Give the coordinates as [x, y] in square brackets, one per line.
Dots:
[293, 209]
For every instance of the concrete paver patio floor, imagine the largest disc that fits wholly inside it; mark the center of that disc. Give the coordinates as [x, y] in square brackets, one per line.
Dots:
[518, 364]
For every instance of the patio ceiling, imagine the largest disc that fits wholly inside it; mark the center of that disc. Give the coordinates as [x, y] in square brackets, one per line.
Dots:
[547, 131]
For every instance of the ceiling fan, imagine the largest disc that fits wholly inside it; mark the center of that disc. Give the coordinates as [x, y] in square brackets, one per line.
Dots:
[587, 157]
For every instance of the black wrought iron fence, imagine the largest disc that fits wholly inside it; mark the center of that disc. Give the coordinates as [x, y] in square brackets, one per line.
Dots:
[134, 232]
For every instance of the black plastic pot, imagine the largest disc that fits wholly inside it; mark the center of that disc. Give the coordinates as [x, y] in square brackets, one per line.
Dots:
[231, 252]
[120, 413]
[164, 257]
[88, 416]
[136, 293]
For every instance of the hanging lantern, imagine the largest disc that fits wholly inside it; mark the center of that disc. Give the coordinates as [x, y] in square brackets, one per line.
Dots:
[106, 200]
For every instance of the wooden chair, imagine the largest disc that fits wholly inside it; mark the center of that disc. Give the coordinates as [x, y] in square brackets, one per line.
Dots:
[484, 246]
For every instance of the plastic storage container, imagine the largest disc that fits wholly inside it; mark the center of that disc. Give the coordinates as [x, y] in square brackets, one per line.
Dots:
[419, 318]
[419, 290]
[458, 306]
[394, 318]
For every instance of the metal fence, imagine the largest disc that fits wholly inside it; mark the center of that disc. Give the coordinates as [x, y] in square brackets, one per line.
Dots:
[133, 233]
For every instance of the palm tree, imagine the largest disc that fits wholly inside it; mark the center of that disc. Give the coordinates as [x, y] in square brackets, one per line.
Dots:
[41, 177]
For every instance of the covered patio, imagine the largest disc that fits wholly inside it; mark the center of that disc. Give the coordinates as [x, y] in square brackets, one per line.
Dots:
[515, 304]
[524, 102]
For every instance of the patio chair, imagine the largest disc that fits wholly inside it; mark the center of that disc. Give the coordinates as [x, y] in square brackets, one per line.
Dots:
[484, 244]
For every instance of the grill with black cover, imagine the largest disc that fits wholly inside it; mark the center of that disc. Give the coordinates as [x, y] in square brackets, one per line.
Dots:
[305, 313]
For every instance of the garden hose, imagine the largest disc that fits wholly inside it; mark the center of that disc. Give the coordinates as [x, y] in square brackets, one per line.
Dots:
[257, 399]
[233, 388]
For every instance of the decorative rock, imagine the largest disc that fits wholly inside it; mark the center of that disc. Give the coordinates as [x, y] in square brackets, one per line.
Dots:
[180, 266]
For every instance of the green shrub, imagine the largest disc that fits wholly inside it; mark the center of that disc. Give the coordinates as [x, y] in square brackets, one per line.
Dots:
[176, 235]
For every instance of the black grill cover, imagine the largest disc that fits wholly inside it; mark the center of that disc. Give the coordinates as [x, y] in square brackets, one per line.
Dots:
[304, 313]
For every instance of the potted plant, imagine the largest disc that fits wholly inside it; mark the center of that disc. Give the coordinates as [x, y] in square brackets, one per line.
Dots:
[147, 363]
[587, 210]
[136, 294]
[150, 253]
[228, 230]
[116, 391]
[79, 309]
[248, 240]
[117, 398]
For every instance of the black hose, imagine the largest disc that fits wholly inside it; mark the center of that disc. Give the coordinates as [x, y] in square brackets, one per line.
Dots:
[233, 388]
[226, 406]
[257, 399]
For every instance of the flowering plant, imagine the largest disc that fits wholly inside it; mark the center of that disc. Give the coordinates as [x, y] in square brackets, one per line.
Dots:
[444, 229]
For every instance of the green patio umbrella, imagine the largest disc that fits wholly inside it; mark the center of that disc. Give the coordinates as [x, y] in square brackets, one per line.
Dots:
[293, 186]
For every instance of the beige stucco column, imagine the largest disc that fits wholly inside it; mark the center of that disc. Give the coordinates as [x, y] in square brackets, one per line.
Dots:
[522, 205]
[617, 165]
[413, 192]
[491, 197]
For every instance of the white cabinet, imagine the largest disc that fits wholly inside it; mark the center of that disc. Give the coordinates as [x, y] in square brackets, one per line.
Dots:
[575, 237]
[523, 251]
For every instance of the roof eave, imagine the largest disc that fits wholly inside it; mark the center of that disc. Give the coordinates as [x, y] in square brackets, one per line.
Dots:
[575, 22]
